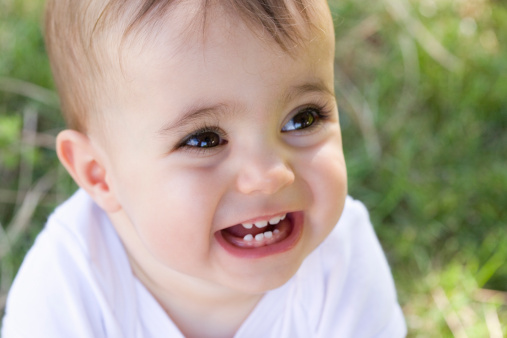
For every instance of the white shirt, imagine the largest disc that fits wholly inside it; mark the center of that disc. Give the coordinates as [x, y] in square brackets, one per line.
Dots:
[76, 281]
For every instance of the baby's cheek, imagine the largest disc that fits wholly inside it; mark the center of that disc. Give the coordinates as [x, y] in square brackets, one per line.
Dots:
[175, 244]
[329, 182]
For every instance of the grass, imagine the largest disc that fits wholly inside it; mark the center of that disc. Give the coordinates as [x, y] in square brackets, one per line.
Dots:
[422, 94]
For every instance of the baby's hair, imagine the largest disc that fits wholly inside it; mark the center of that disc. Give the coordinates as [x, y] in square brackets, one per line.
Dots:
[78, 31]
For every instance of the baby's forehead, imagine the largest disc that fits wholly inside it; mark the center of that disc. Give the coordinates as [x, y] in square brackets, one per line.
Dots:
[286, 23]
[190, 26]
[184, 37]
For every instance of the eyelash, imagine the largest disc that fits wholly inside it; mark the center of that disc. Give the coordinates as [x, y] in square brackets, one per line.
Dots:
[322, 114]
[200, 132]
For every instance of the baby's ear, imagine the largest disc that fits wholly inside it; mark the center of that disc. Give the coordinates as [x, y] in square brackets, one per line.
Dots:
[83, 162]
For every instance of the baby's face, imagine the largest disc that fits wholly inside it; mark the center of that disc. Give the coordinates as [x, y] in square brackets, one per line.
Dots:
[212, 142]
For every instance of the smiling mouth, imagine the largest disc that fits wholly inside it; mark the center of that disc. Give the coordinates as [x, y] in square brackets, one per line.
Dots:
[255, 235]
[257, 239]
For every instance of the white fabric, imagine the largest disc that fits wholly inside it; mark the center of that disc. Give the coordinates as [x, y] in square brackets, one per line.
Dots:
[76, 281]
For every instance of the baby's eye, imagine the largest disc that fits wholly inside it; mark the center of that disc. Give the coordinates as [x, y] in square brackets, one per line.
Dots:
[304, 119]
[207, 139]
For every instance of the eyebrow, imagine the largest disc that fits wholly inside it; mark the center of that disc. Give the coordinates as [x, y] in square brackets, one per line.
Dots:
[317, 86]
[193, 114]
[199, 112]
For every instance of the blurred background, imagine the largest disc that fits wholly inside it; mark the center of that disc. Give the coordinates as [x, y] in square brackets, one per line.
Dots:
[422, 91]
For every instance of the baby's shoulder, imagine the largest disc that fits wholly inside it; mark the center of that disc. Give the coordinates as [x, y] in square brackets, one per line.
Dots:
[66, 278]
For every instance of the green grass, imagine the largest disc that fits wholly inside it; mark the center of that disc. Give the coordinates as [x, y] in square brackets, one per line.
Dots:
[422, 91]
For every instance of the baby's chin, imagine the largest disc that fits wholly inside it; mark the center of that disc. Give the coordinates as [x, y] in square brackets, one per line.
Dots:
[260, 281]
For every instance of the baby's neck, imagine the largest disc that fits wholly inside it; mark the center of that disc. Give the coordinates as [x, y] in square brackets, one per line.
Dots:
[213, 319]
[201, 310]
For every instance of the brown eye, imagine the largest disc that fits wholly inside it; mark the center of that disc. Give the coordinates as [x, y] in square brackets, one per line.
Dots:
[302, 120]
[207, 139]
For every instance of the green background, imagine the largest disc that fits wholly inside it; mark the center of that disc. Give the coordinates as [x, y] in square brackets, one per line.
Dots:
[422, 91]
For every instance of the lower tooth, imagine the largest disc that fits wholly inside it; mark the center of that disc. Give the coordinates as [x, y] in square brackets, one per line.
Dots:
[248, 238]
[259, 237]
[276, 231]
[268, 234]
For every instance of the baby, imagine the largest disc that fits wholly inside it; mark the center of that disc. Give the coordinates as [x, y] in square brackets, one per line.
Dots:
[205, 139]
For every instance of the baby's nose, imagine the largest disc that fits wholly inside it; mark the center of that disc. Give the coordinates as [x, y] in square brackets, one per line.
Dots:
[264, 173]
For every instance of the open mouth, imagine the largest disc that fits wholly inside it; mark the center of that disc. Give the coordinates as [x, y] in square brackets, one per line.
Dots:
[279, 233]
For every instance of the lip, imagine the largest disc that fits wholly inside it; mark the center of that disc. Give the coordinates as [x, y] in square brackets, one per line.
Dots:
[296, 219]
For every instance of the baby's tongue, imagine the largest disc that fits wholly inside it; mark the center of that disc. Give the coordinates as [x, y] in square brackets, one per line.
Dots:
[240, 231]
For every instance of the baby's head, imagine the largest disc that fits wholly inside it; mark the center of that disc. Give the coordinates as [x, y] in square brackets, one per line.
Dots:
[207, 130]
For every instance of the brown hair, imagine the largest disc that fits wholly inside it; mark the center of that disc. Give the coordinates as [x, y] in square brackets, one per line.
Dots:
[76, 32]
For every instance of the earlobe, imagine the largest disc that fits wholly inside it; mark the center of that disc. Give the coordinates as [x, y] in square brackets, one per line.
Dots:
[83, 162]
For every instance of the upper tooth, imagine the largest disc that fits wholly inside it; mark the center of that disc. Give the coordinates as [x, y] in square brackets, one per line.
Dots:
[247, 225]
[261, 224]
[275, 220]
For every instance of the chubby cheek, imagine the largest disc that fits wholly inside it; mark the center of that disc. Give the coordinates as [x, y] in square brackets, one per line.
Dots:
[325, 173]
[171, 212]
